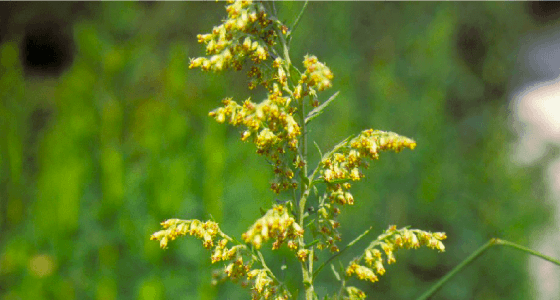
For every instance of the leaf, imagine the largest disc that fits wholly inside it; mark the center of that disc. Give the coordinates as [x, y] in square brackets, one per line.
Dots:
[319, 109]
[304, 179]
[311, 244]
[338, 146]
[335, 273]
[318, 149]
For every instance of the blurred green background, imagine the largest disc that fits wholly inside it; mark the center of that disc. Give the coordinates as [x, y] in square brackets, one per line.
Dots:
[104, 134]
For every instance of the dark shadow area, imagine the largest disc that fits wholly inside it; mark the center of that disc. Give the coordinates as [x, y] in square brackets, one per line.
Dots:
[47, 48]
[544, 11]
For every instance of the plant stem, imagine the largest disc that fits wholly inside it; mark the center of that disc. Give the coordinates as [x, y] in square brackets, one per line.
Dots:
[307, 270]
[477, 253]
[456, 270]
[533, 252]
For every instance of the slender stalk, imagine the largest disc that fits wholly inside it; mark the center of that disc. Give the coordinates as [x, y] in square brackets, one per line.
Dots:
[306, 269]
[307, 272]
[477, 253]
[263, 263]
[524, 249]
[456, 270]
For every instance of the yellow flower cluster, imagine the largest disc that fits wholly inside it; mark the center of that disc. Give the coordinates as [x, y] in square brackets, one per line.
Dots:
[263, 286]
[275, 224]
[354, 294]
[317, 77]
[362, 272]
[245, 33]
[383, 140]
[271, 127]
[390, 241]
[344, 165]
[238, 268]
[207, 231]
[328, 226]
[316, 74]
[302, 254]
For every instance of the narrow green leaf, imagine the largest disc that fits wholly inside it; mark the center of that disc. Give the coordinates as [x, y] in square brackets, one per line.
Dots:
[319, 109]
[335, 273]
[318, 149]
[311, 244]
[338, 146]
[305, 180]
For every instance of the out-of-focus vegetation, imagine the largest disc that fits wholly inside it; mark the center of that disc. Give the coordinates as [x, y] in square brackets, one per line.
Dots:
[104, 133]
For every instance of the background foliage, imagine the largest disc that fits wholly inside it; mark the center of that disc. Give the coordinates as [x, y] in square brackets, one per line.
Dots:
[105, 134]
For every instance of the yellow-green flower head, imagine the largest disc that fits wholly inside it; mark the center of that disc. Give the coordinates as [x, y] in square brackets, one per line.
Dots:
[264, 287]
[206, 231]
[345, 164]
[275, 224]
[245, 33]
[270, 125]
[316, 74]
[354, 293]
[237, 269]
[261, 279]
[303, 254]
[363, 273]
[390, 241]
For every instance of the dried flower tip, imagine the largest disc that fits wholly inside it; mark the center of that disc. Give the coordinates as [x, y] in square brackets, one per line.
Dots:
[354, 294]
[302, 254]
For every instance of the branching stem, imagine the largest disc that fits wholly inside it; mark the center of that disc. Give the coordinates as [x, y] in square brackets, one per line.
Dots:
[475, 255]
[306, 269]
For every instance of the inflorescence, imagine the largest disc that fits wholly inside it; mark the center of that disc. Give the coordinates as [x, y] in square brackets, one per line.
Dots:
[250, 37]
[275, 224]
[239, 260]
[344, 166]
[249, 32]
[389, 242]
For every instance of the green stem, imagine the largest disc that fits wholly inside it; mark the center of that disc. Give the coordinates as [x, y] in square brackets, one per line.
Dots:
[263, 263]
[477, 253]
[306, 269]
[533, 252]
[456, 270]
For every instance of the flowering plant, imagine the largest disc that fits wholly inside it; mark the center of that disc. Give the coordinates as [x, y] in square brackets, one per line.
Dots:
[251, 37]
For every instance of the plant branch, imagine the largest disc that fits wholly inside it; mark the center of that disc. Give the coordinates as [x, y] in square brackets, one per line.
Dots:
[336, 148]
[307, 270]
[476, 254]
[341, 251]
[263, 263]
[319, 110]
[524, 249]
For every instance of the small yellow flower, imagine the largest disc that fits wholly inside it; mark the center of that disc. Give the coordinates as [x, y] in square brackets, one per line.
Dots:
[302, 254]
